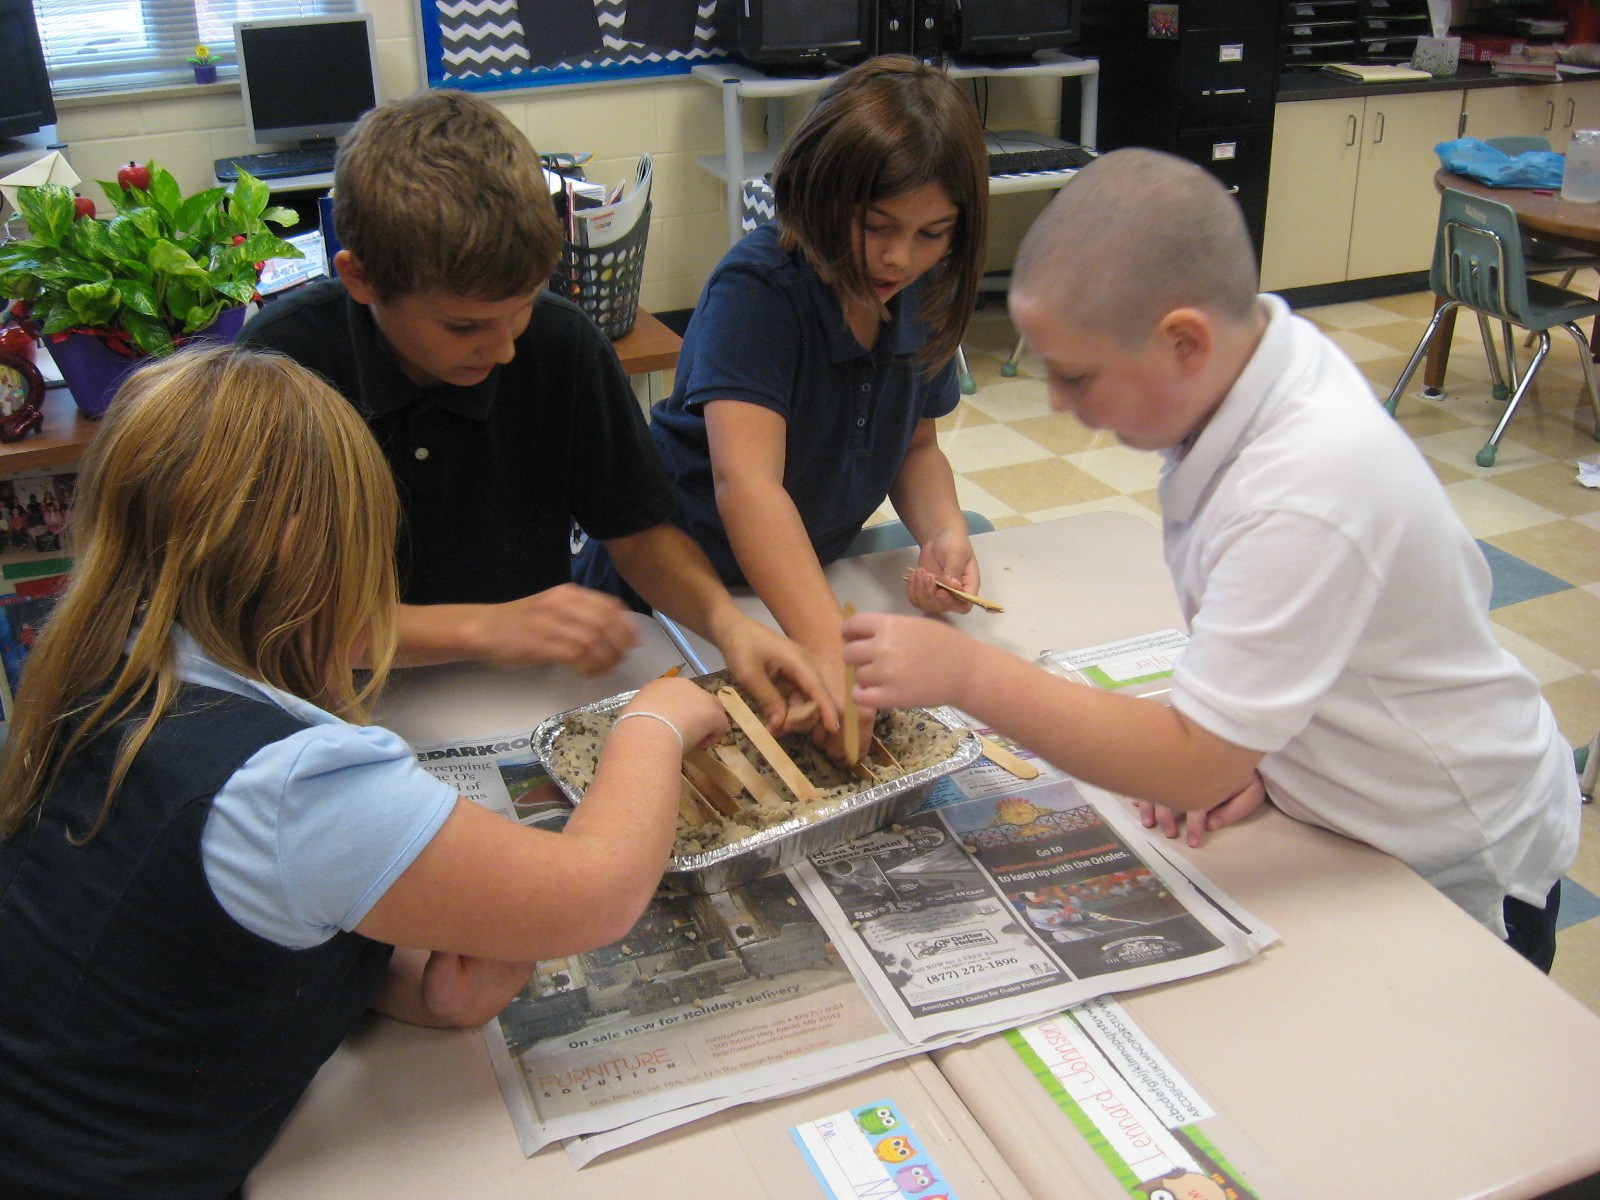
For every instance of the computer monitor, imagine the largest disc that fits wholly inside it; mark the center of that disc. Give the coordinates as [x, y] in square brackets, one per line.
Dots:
[1011, 28]
[25, 102]
[803, 34]
[305, 79]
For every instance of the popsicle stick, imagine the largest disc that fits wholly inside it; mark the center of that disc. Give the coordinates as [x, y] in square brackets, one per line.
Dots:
[793, 777]
[976, 601]
[691, 806]
[753, 780]
[802, 714]
[889, 760]
[852, 712]
[710, 790]
[718, 773]
[1001, 757]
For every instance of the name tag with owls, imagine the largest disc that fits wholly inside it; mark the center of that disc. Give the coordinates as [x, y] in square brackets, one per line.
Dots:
[870, 1151]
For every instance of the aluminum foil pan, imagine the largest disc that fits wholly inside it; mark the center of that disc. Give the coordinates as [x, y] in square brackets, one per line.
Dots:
[780, 846]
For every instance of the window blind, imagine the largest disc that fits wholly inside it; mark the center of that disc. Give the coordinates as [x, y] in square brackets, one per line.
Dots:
[117, 45]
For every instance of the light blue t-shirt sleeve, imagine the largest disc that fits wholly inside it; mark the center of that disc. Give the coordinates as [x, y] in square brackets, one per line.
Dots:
[311, 831]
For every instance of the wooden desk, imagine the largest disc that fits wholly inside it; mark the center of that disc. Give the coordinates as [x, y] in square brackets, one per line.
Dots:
[649, 346]
[1388, 1046]
[1552, 219]
[401, 1113]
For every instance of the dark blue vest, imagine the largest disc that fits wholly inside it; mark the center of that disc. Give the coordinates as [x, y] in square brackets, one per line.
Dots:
[150, 1046]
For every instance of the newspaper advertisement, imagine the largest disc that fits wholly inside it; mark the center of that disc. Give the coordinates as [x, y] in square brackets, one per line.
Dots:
[977, 913]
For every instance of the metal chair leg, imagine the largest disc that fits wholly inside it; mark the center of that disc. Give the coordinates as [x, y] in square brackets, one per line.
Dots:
[1589, 378]
[1485, 457]
[1009, 367]
[1449, 306]
[1497, 377]
[968, 385]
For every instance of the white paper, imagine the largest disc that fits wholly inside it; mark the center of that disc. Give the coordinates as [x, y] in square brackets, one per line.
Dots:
[1589, 472]
[51, 167]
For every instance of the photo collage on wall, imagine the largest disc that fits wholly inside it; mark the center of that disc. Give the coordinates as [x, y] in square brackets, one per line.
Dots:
[34, 559]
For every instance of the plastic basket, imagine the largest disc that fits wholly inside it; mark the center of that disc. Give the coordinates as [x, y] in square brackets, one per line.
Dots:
[604, 280]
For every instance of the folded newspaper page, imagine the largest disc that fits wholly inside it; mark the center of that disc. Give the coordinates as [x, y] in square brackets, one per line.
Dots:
[980, 913]
[993, 906]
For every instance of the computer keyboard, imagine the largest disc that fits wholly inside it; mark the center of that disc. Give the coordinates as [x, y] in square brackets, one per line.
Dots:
[277, 164]
[1044, 158]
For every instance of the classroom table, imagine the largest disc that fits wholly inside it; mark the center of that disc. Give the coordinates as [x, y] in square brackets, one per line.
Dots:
[1387, 1046]
[401, 1113]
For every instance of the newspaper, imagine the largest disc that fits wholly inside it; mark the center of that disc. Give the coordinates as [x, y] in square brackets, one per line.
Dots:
[979, 913]
[990, 907]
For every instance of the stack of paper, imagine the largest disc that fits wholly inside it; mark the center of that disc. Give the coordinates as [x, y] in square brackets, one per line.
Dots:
[615, 217]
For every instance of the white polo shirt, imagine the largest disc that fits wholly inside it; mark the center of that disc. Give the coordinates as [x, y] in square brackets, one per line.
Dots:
[1339, 623]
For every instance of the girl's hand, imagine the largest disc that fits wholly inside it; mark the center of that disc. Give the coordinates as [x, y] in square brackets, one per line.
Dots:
[947, 558]
[695, 712]
[904, 662]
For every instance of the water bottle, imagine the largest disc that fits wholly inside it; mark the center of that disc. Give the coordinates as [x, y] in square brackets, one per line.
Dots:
[1580, 181]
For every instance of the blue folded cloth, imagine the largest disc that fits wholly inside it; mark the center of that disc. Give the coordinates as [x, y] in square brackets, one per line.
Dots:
[1480, 161]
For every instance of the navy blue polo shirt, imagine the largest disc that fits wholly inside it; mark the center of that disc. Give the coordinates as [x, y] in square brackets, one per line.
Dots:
[768, 331]
[491, 476]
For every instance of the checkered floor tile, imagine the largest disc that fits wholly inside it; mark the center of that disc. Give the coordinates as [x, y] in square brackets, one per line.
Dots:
[1017, 462]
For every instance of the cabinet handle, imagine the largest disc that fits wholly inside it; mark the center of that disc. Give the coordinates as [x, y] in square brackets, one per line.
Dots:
[1572, 112]
[1550, 116]
[1351, 140]
[1378, 137]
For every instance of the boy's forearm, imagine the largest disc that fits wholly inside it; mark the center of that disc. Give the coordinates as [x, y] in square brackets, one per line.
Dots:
[672, 574]
[1138, 748]
[437, 633]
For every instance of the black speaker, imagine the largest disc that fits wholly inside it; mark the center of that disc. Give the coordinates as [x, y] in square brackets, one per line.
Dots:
[928, 30]
[891, 26]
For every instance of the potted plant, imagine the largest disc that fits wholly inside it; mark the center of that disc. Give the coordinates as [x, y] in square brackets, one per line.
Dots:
[204, 63]
[165, 268]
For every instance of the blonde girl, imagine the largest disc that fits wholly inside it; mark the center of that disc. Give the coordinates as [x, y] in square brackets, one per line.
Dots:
[209, 855]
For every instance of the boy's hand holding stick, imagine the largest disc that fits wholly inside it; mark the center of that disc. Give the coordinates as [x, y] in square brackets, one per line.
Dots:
[970, 598]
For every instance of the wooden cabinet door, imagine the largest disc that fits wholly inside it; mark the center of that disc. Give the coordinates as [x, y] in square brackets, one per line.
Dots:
[1577, 107]
[1521, 110]
[1397, 206]
[1311, 188]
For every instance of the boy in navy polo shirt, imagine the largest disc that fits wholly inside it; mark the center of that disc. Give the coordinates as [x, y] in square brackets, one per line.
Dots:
[501, 409]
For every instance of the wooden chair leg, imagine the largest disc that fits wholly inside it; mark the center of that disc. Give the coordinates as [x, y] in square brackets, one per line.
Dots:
[1439, 352]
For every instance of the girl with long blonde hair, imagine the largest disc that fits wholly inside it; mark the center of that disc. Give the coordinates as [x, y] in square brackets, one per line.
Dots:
[207, 853]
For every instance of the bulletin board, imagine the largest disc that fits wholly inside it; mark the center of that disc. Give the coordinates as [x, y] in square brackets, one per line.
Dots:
[495, 45]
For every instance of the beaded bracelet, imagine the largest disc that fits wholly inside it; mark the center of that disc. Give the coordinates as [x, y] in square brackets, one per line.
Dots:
[683, 746]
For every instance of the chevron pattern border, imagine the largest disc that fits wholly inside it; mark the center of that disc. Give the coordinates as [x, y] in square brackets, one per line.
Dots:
[483, 43]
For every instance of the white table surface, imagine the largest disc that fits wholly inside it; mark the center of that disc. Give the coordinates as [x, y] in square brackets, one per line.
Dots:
[1387, 1047]
[401, 1113]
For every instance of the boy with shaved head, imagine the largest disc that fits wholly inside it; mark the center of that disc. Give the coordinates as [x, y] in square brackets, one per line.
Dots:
[1341, 661]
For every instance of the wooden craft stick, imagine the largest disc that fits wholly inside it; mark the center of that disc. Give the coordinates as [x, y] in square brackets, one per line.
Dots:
[793, 777]
[690, 805]
[864, 772]
[753, 780]
[977, 601]
[1003, 758]
[802, 714]
[889, 760]
[852, 712]
[717, 772]
[710, 791]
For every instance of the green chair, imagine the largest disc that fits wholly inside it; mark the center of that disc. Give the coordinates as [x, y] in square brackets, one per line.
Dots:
[893, 535]
[1478, 264]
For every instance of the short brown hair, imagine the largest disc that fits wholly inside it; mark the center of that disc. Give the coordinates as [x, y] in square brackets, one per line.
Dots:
[441, 192]
[1135, 235]
[884, 128]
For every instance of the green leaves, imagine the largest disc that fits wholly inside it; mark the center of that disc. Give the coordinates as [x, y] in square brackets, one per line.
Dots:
[164, 266]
